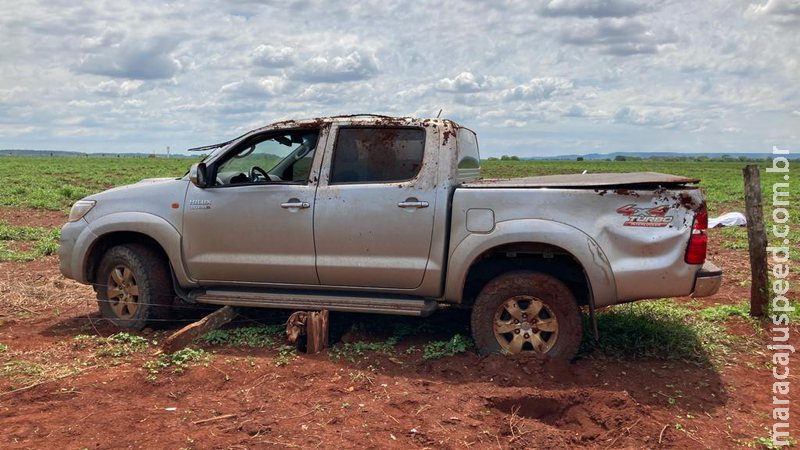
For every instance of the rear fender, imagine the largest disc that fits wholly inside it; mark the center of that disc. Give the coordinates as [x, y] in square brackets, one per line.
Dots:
[582, 247]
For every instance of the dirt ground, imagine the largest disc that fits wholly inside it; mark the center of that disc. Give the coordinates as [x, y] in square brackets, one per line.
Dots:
[241, 399]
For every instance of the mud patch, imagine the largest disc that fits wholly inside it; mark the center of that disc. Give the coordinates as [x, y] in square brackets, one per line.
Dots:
[29, 217]
[587, 414]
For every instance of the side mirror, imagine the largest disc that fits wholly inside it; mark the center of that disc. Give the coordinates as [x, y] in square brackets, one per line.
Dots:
[198, 175]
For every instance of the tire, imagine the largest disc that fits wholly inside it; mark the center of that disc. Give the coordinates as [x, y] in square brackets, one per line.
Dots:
[133, 286]
[524, 311]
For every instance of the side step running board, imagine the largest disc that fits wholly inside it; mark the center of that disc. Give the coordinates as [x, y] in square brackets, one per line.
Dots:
[311, 301]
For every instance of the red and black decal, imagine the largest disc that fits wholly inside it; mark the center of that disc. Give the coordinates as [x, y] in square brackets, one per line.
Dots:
[646, 216]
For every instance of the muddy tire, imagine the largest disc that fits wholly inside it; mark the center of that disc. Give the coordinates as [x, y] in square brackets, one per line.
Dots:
[524, 311]
[133, 286]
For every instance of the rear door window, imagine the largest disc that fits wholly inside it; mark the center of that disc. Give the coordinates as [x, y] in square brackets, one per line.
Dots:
[377, 155]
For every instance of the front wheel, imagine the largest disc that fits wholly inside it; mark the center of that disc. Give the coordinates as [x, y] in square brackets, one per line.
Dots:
[133, 286]
[526, 311]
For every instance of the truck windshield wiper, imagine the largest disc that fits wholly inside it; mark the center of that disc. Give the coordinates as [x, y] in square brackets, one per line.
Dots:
[209, 147]
[213, 146]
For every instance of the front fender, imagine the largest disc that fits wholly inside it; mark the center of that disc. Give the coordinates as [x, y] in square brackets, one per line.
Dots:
[580, 245]
[148, 224]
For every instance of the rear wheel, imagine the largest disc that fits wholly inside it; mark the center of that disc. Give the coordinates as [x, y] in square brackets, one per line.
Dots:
[133, 286]
[526, 311]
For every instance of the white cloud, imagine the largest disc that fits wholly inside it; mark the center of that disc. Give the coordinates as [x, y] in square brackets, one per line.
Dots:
[270, 86]
[133, 58]
[593, 8]
[118, 88]
[620, 37]
[336, 69]
[271, 56]
[785, 12]
[467, 82]
[538, 89]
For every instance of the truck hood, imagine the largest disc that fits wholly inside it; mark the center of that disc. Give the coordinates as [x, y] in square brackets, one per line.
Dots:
[156, 180]
[142, 187]
[642, 180]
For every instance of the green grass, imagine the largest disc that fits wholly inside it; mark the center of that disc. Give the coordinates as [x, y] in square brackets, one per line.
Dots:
[55, 183]
[286, 354]
[118, 345]
[353, 351]
[442, 349]
[177, 362]
[661, 329]
[257, 336]
[722, 313]
[38, 242]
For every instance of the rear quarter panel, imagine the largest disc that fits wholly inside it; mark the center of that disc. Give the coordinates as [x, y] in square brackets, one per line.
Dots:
[640, 236]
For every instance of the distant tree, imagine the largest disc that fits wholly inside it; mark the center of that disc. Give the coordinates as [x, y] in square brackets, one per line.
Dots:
[504, 158]
[580, 158]
[492, 158]
[620, 158]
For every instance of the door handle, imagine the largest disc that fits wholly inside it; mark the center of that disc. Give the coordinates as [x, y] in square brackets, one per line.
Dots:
[413, 204]
[293, 204]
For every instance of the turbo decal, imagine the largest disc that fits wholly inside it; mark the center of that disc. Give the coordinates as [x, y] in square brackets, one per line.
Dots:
[645, 217]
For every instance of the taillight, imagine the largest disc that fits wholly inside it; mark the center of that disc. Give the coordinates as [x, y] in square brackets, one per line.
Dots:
[698, 241]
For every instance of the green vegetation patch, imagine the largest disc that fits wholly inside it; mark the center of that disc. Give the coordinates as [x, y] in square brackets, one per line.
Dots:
[661, 329]
[721, 313]
[441, 349]
[27, 243]
[56, 183]
[177, 362]
[355, 351]
[117, 345]
[286, 354]
[257, 336]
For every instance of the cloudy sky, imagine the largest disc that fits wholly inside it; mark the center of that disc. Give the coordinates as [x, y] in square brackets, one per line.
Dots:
[531, 77]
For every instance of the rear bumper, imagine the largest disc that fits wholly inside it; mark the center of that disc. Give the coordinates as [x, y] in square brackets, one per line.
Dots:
[707, 281]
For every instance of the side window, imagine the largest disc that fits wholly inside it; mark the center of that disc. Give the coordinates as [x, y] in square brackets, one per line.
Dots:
[283, 157]
[377, 155]
[469, 163]
[468, 157]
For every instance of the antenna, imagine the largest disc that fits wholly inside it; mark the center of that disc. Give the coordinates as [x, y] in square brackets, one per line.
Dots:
[440, 113]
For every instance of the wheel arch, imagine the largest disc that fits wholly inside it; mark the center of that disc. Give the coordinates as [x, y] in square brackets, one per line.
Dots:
[139, 228]
[533, 244]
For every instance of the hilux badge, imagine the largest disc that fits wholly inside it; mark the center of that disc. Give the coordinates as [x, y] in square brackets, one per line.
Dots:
[199, 204]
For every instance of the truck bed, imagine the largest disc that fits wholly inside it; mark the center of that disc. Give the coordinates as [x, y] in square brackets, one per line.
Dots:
[589, 180]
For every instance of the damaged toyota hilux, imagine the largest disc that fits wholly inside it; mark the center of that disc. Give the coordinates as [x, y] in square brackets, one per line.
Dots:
[389, 215]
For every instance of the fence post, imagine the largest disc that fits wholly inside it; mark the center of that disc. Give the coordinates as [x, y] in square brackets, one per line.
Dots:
[756, 239]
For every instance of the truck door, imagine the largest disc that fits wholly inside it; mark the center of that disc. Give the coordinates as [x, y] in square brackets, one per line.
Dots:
[254, 223]
[374, 207]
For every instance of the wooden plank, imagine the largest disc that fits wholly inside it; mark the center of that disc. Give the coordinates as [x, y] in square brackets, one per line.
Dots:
[189, 333]
[757, 240]
[317, 331]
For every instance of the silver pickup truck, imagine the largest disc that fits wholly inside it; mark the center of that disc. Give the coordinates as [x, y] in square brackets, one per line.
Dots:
[390, 216]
